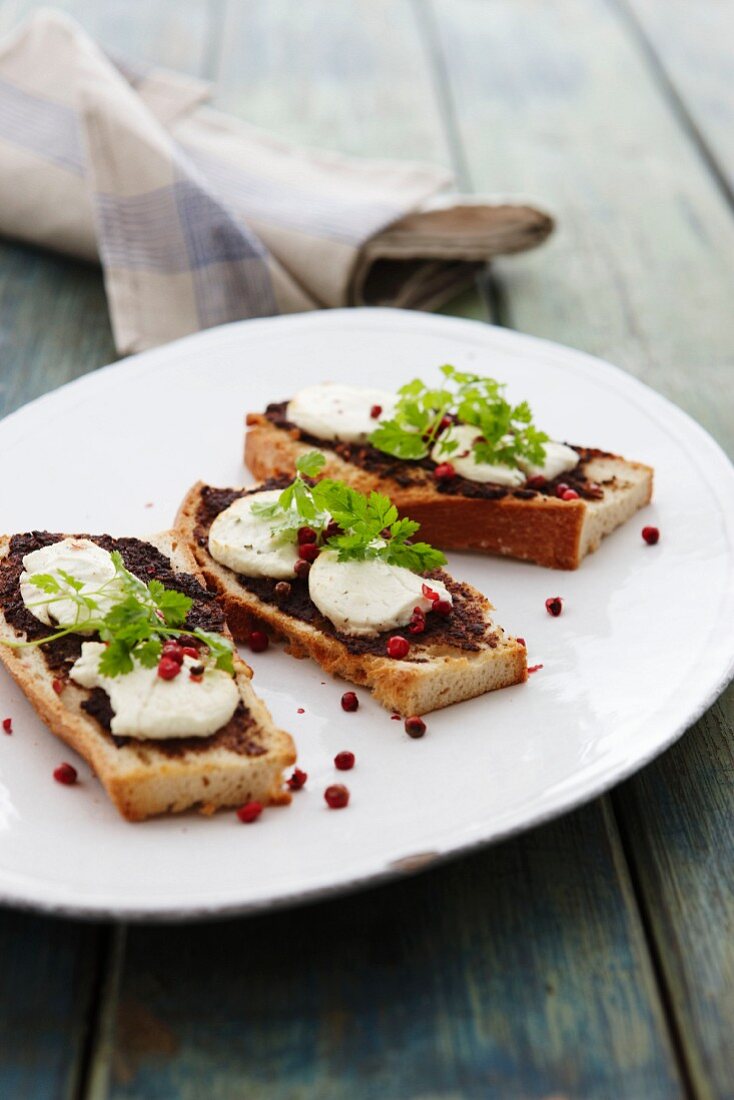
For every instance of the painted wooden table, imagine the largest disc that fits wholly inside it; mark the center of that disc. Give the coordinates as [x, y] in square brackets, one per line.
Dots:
[593, 957]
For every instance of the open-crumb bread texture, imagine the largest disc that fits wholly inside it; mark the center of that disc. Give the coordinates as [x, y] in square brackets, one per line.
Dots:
[457, 658]
[241, 762]
[532, 524]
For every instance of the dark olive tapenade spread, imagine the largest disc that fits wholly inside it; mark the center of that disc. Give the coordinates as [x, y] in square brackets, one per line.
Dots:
[415, 472]
[147, 563]
[466, 628]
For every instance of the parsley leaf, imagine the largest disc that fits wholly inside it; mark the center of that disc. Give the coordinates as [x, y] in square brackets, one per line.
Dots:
[311, 464]
[140, 617]
[395, 437]
[148, 653]
[174, 606]
[46, 582]
[116, 660]
[505, 434]
[369, 526]
[296, 505]
[77, 585]
[220, 648]
[419, 557]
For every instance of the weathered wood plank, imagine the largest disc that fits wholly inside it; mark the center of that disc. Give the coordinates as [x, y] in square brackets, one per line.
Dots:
[522, 971]
[693, 46]
[558, 100]
[352, 77]
[679, 823]
[54, 324]
[48, 971]
[516, 972]
[172, 33]
[348, 76]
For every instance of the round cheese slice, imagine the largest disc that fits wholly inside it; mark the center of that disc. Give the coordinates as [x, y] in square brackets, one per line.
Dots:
[341, 413]
[245, 543]
[83, 560]
[367, 597]
[148, 707]
[559, 459]
[463, 460]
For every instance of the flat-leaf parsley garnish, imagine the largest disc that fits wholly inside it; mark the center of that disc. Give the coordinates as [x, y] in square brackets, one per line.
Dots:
[505, 432]
[141, 617]
[296, 504]
[358, 526]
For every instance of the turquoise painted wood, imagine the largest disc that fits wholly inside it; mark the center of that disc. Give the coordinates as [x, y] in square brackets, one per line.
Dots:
[683, 855]
[641, 267]
[350, 76]
[177, 34]
[48, 974]
[519, 972]
[678, 818]
[54, 324]
[692, 45]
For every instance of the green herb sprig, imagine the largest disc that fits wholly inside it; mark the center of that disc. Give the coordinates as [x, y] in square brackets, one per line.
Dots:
[369, 525]
[505, 432]
[141, 617]
[296, 506]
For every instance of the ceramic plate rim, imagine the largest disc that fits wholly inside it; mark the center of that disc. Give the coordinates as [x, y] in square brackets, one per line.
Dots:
[25, 894]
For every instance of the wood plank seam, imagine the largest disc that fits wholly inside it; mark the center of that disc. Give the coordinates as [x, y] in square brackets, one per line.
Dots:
[92, 1075]
[426, 25]
[424, 17]
[678, 1043]
[692, 873]
[672, 94]
[213, 44]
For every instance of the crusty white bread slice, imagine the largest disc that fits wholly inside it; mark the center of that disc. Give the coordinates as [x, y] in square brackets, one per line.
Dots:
[542, 529]
[469, 658]
[241, 763]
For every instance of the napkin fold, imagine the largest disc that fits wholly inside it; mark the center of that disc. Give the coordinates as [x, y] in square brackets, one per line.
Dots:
[198, 218]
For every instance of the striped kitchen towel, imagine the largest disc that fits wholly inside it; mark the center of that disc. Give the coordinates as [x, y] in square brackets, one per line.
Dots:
[198, 218]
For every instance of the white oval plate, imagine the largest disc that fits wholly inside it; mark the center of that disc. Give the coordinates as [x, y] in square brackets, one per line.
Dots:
[643, 646]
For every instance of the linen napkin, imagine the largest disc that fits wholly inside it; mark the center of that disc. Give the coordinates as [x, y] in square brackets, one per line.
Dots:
[198, 218]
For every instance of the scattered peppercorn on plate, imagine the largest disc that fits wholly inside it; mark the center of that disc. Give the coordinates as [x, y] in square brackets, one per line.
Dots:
[604, 664]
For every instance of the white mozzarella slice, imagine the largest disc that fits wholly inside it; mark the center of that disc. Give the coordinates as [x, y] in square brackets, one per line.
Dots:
[367, 597]
[341, 413]
[559, 459]
[245, 543]
[83, 560]
[147, 707]
[466, 465]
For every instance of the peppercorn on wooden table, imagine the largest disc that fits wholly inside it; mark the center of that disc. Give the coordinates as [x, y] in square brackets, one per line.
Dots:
[589, 958]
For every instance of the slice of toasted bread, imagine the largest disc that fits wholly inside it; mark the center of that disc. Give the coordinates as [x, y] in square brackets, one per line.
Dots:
[448, 663]
[242, 762]
[525, 523]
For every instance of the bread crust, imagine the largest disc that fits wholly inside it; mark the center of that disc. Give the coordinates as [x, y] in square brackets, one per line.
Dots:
[449, 675]
[554, 533]
[141, 779]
